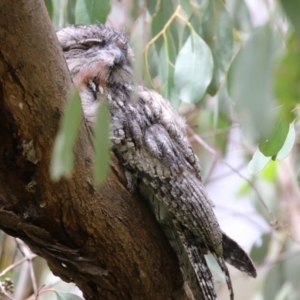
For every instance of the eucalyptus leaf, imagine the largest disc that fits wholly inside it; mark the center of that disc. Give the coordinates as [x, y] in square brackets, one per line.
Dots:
[292, 9]
[298, 179]
[91, 11]
[270, 172]
[258, 162]
[272, 145]
[288, 144]
[62, 156]
[166, 70]
[58, 19]
[152, 6]
[70, 11]
[49, 6]
[217, 33]
[240, 14]
[283, 276]
[193, 69]
[251, 83]
[292, 269]
[287, 77]
[285, 292]
[259, 253]
[187, 7]
[162, 13]
[274, 281]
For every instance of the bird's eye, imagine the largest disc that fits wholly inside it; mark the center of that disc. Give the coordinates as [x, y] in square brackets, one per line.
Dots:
[95, 43]
[79, 47]
[101, 43]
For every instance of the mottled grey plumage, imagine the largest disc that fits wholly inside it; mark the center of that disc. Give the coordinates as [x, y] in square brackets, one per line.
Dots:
[149, 138]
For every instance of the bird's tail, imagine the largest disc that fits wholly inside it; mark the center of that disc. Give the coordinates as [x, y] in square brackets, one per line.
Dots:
[224, 269]
[197, 261]
[236, 256]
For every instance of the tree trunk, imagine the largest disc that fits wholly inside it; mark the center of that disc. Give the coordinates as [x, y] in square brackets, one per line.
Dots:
[102, 238]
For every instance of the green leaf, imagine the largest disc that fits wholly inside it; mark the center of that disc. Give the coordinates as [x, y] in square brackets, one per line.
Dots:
[136, 10]
[70, 11]
[66, 296]
[187, 8]
[287, 77]
[240, 15]
[49, 7]
[101, 143]
[292, 9]
[288, 144]
[135, 42]
[222, 133]
[285, 292]
[270, 172]
[193, 69]
[274, 281]
[251, 83]
[152, 6]
[272, 145]
[167, 58]
[298, 178]
[91, 11]
[259, 253]
[62, 156]
[162, 12]
[154, 64]
[58, 19]
[258, 162]
[292, 270]
[283, 276]
[217, 33]
[196, 20]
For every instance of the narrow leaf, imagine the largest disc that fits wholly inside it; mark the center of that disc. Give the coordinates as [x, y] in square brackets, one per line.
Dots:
[298, 179]
[161, 12]
[70, 11]
[58, 19]
[217, 32]
[272, 145]
[252, 85]
[193, 69]
[62, 156]
[292, 9]
[49, 6]
[91, 11]
[274, 280]
[288, 144]
[258, 162]
[260, 252]
[285, 291]
[240, 14]
[167, 58]
[287, 77]
[101, 143]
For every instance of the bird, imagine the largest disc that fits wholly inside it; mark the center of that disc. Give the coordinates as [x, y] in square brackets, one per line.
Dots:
[149, 138]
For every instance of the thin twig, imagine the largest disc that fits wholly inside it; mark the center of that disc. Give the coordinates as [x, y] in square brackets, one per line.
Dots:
[25, 250]
[41, 290]
[4, 295]
[198, 139]
[12, 266]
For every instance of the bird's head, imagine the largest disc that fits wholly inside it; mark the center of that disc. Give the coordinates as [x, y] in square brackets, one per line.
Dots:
[96, 53]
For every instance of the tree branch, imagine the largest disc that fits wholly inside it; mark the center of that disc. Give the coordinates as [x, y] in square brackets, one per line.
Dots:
[102, 238]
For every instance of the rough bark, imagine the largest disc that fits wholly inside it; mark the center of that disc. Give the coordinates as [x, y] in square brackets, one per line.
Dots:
[102, 238]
